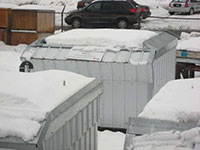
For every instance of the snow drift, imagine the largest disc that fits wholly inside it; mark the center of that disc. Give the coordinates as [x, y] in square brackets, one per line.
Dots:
[167, 140]
[178, 100]
[189, 42]
[26, 98]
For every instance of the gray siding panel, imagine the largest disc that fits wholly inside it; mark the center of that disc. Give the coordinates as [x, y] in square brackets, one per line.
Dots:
[76, 132]
[164, 69]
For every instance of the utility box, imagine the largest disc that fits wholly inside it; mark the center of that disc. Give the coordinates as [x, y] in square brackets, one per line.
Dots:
[49, 110]
[26, 37]
[5, 15]
[4, 35]
[39, 19]
[130, 76]
[5, 22]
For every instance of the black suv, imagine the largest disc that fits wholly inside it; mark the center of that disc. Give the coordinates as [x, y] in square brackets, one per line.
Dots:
[104, 12]
[145, 10]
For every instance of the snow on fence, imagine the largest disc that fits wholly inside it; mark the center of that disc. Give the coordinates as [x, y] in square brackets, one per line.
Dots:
[172, 24]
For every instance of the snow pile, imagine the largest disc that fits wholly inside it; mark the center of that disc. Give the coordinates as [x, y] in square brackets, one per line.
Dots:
[10, 57]
[108, 38]
[108, 140]
[26, 98]
[178, 101]
[189, 42]
[153, 4]
[167, 140]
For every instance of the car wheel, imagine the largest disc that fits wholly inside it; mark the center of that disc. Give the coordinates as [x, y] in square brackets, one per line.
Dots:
[191, 12]
[122, 24]
[171, 13]
[76, 23]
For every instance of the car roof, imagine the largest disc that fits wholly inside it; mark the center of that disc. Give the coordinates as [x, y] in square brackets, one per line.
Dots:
[109, 0]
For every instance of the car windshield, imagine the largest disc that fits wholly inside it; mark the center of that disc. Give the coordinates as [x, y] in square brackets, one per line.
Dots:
[133, 2]
[182, 1]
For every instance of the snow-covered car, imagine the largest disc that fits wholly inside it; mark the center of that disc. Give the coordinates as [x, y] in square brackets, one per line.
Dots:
[184, 6]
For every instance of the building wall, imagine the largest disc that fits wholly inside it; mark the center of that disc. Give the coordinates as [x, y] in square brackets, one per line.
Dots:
[164, 69]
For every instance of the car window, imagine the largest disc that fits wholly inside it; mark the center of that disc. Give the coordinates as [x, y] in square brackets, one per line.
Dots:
[198, 1]
[94, 7]
[122, 6]
[182, 1]
[133, 2]
[107, 6]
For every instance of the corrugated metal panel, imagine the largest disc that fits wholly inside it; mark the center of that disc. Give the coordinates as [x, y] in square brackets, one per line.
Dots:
[62, 54]
[164, 69]
[109, 56]
[139, 58]
[82, 127]
[123, 56]
[41, 53]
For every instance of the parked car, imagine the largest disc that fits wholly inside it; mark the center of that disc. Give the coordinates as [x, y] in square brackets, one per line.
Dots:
[104, 12]
[184, 6]
[145, 10]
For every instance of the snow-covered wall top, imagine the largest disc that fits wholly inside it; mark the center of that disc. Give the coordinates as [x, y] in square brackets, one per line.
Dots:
[189, 41]
[110, 38]
[26, 98]
[178, 101]
[167, 140]
[33, 7]
[7, 5]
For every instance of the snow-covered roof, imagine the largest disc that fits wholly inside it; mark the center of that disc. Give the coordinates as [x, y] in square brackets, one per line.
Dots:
[178, 100]
[26, 98]
[7, 5]
[108, 38]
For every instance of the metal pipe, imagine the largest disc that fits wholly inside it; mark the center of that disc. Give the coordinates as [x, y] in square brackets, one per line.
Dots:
[62, 18]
